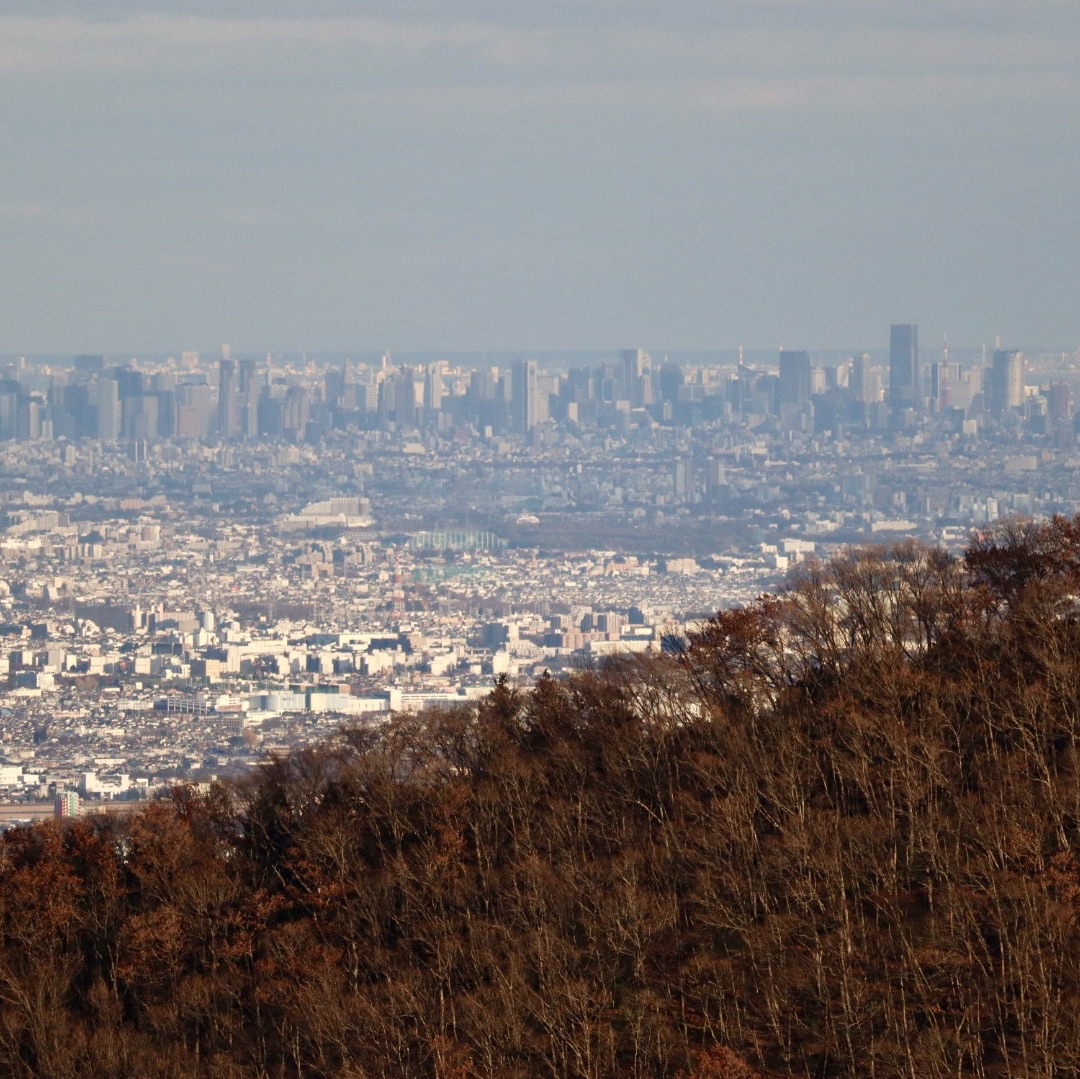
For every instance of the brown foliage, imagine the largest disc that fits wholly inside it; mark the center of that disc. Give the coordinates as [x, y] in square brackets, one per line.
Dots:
[838, 835]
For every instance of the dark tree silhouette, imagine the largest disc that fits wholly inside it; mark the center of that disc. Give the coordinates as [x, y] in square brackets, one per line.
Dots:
[838, 834]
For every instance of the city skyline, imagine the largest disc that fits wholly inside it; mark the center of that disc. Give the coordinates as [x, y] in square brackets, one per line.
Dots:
[508, 176]
[934, 347]
[234, 398]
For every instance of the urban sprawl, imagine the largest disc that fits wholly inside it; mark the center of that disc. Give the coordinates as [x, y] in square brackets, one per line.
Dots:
[206, 560]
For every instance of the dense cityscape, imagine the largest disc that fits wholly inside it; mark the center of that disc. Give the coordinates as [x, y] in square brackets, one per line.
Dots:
[611, 611]
[209, 559]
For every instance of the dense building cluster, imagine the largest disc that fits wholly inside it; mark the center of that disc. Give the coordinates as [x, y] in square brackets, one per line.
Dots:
[304, 400]
[150, 638]
[208, 560]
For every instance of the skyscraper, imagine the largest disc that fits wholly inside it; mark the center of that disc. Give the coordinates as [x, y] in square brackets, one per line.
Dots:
[1060, 402]
[864, 382]
[107, 401]
[904, 390]
[634, 378]
[794, 386]
[525, 400]
[228, 389]
[1006, 380]
[434, 387]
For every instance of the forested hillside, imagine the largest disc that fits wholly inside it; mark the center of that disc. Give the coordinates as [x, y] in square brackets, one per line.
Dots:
[838, 835]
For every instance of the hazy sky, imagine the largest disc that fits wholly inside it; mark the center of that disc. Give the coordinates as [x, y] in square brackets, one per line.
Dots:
[580, 174]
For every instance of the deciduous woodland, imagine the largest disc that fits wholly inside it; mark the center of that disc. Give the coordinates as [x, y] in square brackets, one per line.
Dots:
[838, 834]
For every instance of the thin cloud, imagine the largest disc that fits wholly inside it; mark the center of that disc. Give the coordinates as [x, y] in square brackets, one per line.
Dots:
[474, 50]
[33, 46]
[45, 213]
[728, 93]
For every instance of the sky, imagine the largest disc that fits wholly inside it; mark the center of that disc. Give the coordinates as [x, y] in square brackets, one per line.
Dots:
[546, 175]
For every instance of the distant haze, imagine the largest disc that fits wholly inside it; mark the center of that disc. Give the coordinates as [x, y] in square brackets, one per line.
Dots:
[549, 176]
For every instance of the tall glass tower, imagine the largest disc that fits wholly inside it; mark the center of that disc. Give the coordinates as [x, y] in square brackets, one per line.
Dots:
[525, 390]
[795, 379]
[904, 390]
[1007, 380]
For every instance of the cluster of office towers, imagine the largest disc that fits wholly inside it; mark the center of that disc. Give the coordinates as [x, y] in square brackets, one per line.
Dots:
[246, 399]
[909, 393]
[90, 399]
[250, 399]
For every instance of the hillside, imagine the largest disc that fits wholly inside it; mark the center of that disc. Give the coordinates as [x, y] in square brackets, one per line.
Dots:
[838, 835]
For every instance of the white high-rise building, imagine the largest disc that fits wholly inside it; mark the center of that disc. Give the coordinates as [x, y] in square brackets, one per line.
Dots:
[525, 399]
